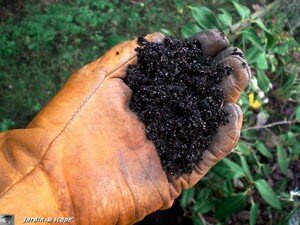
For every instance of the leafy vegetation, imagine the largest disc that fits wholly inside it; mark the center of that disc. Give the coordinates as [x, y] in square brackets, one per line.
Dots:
[256, 184]
[42, 42]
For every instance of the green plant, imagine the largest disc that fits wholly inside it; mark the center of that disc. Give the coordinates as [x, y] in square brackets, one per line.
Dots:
[269, 144]
[42, 42]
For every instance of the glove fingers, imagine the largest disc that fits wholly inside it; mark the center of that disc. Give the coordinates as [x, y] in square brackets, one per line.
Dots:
[212, 41]
[240, 75]
[227, 52]
[227, 136]
[222, 144]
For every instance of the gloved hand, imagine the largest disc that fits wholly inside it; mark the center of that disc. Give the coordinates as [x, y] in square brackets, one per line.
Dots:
[86, 156]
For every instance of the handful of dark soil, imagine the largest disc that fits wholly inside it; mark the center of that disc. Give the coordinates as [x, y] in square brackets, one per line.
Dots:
[177, 94]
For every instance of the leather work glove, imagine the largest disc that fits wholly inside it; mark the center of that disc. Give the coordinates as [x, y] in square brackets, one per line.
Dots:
[86, 156]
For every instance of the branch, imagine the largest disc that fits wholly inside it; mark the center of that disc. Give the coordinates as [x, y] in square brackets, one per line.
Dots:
[199, 214]
[270, 125]
[259, 14]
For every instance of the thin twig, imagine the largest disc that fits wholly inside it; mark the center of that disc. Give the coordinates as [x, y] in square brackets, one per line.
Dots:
[235, 28]
[203, 220]
[271, 125]
[199, 214]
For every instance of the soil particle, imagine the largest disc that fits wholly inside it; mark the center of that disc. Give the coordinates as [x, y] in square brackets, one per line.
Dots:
[177, 94]
[238, 53]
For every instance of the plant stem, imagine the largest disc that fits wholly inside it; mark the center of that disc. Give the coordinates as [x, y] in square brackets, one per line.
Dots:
[271, 125]
[235, 28]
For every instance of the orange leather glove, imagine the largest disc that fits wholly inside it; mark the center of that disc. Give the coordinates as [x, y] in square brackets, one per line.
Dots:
[86, 156]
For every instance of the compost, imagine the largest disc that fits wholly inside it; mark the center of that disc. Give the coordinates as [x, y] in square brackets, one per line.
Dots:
[178, 96]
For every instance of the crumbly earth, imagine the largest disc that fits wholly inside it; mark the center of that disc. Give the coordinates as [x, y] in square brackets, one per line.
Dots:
[177, 94]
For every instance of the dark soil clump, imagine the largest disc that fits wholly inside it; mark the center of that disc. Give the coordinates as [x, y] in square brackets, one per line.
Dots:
[177, 94]
[236, 52]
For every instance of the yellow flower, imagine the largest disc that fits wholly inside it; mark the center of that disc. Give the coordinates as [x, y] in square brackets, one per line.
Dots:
[253, 103]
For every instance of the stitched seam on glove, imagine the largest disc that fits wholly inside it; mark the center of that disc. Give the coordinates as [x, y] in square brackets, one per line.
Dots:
[98, 86]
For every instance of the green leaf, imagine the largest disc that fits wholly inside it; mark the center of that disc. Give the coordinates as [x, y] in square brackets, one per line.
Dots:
[228, 169]
[167, 31]
[288, 83]
[37, 107]
[115, 39]
[244, 102]
[267, 193]
[243, 148]
[186, 197]
[269, 35]
[244, 11]
[297, 113]
[227, 187]
[246, 168]
[205, 17]
[266, 169]
[296, 150]
[251, 35]
[225, 17]
[286, 220]
[6, 124]
[204, 192]
[260, 23]
[270, 40]
[179, 5]
[252, 54]
[230, 205]
[203, 206]
[197, 220]
[282, 159]
[263, 81]
[253, 213]
[261, 61]
[263, 150]
[190, 29]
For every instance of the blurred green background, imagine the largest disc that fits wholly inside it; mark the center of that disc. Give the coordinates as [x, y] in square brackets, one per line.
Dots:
[43, 41]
